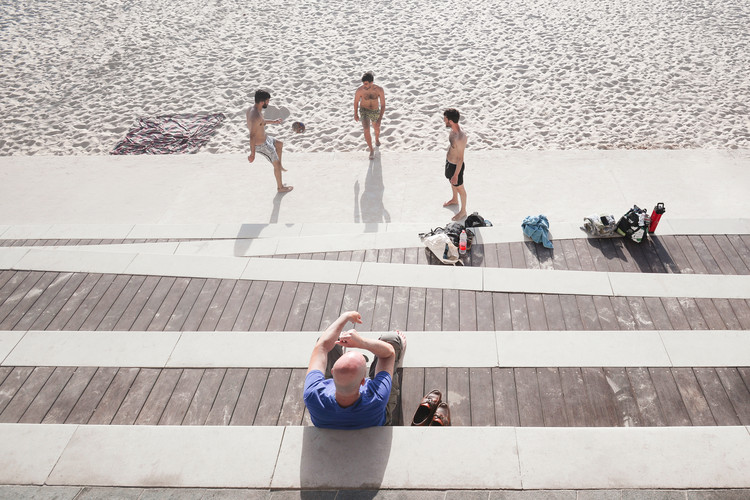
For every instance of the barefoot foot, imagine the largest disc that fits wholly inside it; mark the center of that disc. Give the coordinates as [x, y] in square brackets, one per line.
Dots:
[377, 142]
[459, 216]
[285, 189]
[372, 154]
[450, 202]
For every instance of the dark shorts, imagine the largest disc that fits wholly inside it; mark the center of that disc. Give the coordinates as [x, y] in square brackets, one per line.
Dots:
[450, 169]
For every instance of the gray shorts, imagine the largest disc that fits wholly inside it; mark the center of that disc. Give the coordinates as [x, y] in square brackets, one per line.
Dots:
[268, 149]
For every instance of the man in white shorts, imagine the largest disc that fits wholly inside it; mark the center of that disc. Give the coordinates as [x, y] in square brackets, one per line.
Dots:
[262, 143]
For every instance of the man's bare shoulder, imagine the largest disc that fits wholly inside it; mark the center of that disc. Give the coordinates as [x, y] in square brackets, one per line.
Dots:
[253, 115]
[379, 89]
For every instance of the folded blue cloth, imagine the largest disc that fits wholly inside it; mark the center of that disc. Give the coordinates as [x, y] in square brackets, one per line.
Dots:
[537, 228]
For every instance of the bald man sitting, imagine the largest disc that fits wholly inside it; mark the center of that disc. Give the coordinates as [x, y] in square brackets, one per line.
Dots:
[344, 397]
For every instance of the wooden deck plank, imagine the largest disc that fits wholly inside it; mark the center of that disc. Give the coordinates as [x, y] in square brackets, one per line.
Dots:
[204, 396]
[265, 310]
[588, 312]
[436, 378]
[433, 314]
[113, 397]
[481, 397]
[692, 396]
[737, 392]
[299, 307]
[553, 312]
[600, 397]
[623, 250]
[248, 309]
[5, 276]
[536, 311]
[503, 255]
[381, 316]
[710, 314]
[415, 320]
[641, 316]
[675, 314]
[733, 257]
[721, 408]
[218, 304]
[16, 297]
[505, 397]
[351, 300]
[578, 409]
[741, 246]
[125, 320]
[25, 395]
[136, 397]
[596, 252]
[695, 263]
[584, 256]
[92, 395]
[249, 398]
[516, 254]
[658, 256]
[4, 372]
[670, 400]
[411, 256]
[334, 302]
[530, 255]
[366, 306]
[399, 309]
[519, 311]
[605, 312]
[69, 396]
[14, 313]
[273, 397]
[546, 257]
[11, 285]
[467, 310]
[293, 407]
[571, 314]
[282, 307]
[721, 263]
[12, 383]
[107, 301]
[675, 260]
[571, 255]
[704, 252]
[626, 406]
[412, 391]
[457, 396]
[89, 303]
[185, 305]
[611, 254]
[484, 312]
[200, 306]
[726, 313]
[232, 309]
[501, 311]
[741, 310]
[398, 255]
[658, 314]
[157, 400]
[529, 402]
[692, 313]
[227, 396]
[551, 397]
[148, 311]
[179, 402]
[47, 396]
[451, 310]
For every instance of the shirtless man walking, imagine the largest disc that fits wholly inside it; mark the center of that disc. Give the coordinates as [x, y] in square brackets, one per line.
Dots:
[366, 100]
[262, 143]
[454, 161]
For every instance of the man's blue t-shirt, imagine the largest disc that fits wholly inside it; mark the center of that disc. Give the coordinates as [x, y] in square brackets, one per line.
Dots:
[325, 411]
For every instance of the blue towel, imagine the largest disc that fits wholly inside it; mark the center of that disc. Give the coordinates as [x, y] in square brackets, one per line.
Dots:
[537, 228]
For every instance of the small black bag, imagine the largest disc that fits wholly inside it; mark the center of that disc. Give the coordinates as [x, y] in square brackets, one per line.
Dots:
[476, 220]
[634, 224]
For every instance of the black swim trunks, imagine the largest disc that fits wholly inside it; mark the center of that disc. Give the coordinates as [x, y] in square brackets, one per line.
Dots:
[450, 169]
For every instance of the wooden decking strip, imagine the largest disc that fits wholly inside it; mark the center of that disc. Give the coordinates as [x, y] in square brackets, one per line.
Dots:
[520, 397]
[39, 300]
[693, 254]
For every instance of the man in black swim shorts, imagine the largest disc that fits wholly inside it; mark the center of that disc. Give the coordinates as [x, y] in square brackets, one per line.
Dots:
[455, 156]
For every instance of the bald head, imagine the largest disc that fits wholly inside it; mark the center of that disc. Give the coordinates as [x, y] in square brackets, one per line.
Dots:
[348, 373]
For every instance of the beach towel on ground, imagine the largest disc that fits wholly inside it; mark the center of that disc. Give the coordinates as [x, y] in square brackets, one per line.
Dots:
[537, 228]
[169, 134]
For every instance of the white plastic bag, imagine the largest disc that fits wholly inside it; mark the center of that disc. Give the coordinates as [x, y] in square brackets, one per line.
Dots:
[443, 248]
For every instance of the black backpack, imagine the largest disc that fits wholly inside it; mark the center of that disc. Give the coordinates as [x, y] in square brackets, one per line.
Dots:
[453, 230]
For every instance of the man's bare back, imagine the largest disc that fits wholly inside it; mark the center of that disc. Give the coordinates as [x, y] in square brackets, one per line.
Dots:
[458, 140]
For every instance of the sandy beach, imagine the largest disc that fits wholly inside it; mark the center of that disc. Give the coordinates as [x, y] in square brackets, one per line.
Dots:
[585, 74]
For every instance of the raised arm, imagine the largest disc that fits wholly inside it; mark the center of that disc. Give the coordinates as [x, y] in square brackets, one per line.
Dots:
[383, 350]
[328, 339]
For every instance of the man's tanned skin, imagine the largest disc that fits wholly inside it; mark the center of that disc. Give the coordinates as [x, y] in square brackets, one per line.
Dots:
[371, 99]
[256, 124]
[458, 140]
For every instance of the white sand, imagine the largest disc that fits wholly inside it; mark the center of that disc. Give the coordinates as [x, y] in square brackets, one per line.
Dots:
[573, 74]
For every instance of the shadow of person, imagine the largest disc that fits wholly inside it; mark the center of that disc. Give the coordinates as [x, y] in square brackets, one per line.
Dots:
[276, 207]
[249, 234]
[371, 206]
[344, 460]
